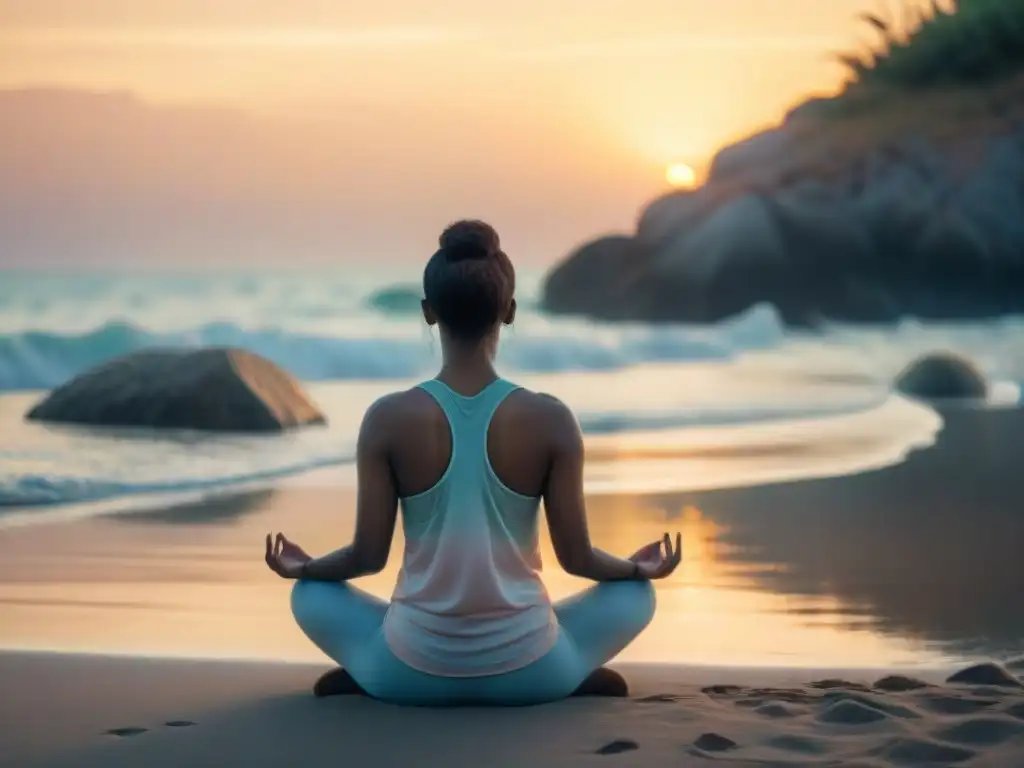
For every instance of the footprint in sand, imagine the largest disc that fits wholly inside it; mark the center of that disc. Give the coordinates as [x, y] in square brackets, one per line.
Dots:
[833, 684]
[1017, 710]
[134, 730]
[874, 702]
[899, 684]
[714, 742]
[660, 698]
[981, 731]
[953, 704]
[776, 710]
[755, 697]
[618, 746]
[849, 712]
[801, 744]
[124, 733]
[722, 690]
[916, 752]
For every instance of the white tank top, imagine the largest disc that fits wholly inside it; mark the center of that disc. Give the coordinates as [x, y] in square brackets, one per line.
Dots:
[469, 600]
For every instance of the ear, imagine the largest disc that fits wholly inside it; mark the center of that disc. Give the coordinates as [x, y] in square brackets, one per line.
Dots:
[510, 316]
[428, 313]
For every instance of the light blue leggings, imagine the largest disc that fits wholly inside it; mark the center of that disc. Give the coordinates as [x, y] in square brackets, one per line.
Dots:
[595, 625]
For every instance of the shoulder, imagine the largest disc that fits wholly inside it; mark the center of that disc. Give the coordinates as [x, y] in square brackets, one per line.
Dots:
[546, 414]
[395, 410]
[549, 405]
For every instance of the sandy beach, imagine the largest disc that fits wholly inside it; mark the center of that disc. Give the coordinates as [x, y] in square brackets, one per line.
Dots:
[80, 711]
[910, 570]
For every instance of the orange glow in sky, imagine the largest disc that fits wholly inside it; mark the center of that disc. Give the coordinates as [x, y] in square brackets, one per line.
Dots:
[558, 107]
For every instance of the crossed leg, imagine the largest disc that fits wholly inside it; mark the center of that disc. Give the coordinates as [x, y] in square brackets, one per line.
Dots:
[595, 626]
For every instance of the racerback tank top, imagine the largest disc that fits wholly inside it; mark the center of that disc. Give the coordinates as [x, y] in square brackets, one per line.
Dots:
[469, 601]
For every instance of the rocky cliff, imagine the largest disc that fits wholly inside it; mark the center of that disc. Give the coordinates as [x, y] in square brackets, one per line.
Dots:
[879, 203]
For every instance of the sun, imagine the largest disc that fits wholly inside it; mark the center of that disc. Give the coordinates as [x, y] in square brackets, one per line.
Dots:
[681, 175]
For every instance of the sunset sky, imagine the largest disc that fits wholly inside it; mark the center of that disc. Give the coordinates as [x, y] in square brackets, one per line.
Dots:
[572, 108]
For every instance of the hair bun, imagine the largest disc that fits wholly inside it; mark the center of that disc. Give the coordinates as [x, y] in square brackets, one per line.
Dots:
[470, 240]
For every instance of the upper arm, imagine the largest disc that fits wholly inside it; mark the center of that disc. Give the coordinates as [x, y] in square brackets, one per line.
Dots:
[377, 497]
[563, 491]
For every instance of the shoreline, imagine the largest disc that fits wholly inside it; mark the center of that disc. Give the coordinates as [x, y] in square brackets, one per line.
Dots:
[638, 460]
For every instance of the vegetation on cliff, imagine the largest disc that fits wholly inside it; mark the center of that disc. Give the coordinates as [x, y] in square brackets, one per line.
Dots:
[970, 43]
[950, 74]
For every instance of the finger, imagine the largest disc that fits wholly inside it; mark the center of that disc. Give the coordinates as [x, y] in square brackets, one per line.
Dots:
[279, 544]
[679, 548]
[667, 541]
[270, 550]
[648, 550]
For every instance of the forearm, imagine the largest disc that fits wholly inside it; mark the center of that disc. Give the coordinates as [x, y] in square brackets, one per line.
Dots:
[605, 567]
[340, 565]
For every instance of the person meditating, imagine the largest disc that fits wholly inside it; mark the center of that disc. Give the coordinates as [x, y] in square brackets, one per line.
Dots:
[468, 457]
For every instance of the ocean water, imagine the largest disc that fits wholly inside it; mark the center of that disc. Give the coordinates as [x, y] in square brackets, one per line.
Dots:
[663, 408]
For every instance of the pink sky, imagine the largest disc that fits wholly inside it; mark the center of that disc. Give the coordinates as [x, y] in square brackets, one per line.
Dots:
[553, 118]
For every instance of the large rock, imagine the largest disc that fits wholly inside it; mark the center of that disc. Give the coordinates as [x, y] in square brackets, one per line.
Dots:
[942, 376]
[726, 263]
[669, 213]
[593, 277]
[754, 157]
[813, 219]
[828, 217]
[221, 390]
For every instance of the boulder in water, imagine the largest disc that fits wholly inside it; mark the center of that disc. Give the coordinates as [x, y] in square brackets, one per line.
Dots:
[942, 377]
[213, 389]
[397, 300]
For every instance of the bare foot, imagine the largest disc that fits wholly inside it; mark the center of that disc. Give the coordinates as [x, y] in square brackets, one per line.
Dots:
[337, 682]
[603, 682]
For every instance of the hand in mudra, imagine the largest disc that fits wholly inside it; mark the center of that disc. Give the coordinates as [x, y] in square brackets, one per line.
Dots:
[285, 558]
[658, 559]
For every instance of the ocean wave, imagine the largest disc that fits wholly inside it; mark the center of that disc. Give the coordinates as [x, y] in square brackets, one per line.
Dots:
[616, 423]
[54, 490]
[43, 360]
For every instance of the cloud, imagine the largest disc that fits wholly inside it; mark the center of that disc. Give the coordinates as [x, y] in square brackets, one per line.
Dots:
[302, 39]
[676, 44]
